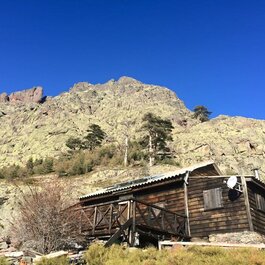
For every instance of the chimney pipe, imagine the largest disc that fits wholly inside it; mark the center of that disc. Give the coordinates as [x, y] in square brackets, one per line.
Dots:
[256, 173]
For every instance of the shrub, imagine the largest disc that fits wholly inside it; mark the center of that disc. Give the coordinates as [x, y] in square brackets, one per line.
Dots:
[13, 172]
[136, 152]
[81, 162]
[4, 261]
[43, 166]
[96, 255]
[30, 166]
[43, 220]
[37, 162]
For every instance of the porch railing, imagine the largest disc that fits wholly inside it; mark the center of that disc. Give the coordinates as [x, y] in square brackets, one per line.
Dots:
[105, 218]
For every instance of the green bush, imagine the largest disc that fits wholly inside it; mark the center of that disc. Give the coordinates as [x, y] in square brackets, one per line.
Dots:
[13, 172]
[45, 167]
[54, 261]
[83, 161]
[30, 166]
[136, 152]
[4, 261]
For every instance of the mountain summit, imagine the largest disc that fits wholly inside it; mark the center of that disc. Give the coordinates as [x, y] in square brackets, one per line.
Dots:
[39, 128]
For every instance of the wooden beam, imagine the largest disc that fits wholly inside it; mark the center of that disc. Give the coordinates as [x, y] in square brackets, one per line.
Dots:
[94, 220]
[133, 228]
[245, 193]
[115, 236]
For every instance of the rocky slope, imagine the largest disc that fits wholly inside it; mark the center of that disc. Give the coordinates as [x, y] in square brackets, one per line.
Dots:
[32, 129]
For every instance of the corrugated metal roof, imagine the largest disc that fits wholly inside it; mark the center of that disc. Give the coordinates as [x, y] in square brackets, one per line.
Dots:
[146, 180]
[254, 179]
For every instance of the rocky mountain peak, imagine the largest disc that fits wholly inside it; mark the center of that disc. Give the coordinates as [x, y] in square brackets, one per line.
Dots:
[4, 97]
[41, 130]
[125, 80]
[32, 95]
[122, 81]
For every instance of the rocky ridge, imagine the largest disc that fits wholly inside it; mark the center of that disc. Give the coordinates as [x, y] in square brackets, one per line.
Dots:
[33, 95]
[36, 130]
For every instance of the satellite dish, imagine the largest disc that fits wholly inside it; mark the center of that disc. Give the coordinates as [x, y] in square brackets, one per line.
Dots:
[231, 182]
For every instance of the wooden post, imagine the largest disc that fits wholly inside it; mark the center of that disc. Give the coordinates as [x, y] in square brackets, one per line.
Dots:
[245, 193]
[111, 216]
[95, 220]
[186, 203]
[133, 227]
[163, 219]
[80, 227]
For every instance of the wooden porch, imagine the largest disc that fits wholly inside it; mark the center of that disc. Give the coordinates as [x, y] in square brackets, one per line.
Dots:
[125, 220]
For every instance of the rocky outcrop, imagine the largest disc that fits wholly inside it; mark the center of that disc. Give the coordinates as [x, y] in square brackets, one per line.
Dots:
[33, 95]
[237, 144]
[4, 98]
[245, 237]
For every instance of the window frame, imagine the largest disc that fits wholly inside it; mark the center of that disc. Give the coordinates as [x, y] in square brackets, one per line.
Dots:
[211, 201]
[260, 202]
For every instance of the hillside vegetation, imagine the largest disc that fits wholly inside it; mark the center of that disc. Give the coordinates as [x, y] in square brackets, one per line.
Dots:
[40, 130]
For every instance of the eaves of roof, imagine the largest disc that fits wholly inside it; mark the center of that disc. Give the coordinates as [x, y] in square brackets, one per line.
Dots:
[146, 181]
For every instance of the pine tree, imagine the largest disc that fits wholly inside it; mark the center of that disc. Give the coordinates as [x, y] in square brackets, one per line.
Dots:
[94, 137]
[201, 113]
[159, 132]
[74, 143]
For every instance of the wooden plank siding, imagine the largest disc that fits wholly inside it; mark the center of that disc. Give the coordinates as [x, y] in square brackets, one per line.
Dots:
[172, 196]
[212, 207]
[231, 217]
[258, 216]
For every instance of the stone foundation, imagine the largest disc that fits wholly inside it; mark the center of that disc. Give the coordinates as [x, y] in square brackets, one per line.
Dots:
[245, 237]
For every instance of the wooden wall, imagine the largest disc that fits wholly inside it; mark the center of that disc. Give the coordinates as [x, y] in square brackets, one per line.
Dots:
[258, 217]
[231, 218]
[172, 195]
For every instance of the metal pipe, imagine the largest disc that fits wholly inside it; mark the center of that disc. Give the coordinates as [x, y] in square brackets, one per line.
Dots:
[256, 173]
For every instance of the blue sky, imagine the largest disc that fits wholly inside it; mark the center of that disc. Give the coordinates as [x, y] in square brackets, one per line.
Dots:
[210, 52]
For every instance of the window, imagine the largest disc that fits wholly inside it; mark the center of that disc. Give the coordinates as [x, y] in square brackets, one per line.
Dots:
[260, 202]
[213, 199]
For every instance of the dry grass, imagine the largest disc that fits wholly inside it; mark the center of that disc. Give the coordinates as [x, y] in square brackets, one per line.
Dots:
[117, 255]
[3, 261]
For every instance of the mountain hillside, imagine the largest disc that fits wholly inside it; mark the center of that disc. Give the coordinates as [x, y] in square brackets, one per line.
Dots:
[35, 126]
